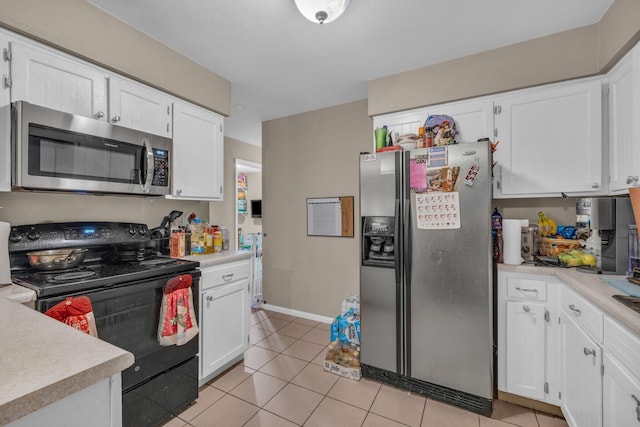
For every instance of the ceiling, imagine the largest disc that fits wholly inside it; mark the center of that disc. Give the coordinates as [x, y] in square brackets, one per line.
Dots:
[281, 64]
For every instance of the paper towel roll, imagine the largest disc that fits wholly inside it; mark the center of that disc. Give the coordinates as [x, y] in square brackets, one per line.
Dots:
[512, 236]
[5, 268]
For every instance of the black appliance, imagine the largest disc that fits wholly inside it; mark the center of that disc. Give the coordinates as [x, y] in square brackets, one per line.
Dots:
[256, 208]
[124, 276]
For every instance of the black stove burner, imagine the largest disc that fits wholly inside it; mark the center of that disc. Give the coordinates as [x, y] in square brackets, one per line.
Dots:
[71, 276]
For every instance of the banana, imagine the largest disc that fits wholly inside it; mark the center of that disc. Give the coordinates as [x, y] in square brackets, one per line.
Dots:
[547, 226]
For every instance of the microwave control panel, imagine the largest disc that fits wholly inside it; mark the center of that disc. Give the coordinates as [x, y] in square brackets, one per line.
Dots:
[160, 168]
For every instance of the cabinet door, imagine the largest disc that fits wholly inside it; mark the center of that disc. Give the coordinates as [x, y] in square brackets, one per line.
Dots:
[550, 141]
[139, 107]
[224, 325]
[197, 153]
[621, 395]
[53, 80]
[624, 130]
[5, 118]
[582, 380]
[526, 349]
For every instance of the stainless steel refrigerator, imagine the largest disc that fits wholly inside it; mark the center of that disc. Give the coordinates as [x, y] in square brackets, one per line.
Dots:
[426, 285]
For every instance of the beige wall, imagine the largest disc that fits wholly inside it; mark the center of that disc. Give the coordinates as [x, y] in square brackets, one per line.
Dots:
[20, 208]
[84, 30]
[223, 213]
[310, 155]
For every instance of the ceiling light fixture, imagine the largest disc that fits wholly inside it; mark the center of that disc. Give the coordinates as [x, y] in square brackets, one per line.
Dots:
[322, 11]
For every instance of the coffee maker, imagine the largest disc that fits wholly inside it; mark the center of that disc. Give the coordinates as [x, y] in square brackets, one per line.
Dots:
[609, 216]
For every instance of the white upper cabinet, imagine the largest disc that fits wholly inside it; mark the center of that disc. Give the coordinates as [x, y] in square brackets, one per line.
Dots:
[197, 153]
[474, 119]
[550, 141]
[139, 107]
[51, 79]
[5, 115]
[624, 127]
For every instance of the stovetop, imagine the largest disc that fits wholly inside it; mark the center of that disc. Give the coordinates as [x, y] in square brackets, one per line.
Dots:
[99, 275]
[118, 253]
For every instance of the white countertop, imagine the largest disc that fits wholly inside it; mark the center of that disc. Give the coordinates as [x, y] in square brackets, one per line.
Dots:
[589, 286]
[220, 257]
[43, 360]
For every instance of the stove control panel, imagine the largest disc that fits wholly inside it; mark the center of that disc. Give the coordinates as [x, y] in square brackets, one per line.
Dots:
[55, 235]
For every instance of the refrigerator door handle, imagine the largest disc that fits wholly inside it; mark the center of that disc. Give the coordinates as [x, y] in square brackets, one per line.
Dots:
[398, 254]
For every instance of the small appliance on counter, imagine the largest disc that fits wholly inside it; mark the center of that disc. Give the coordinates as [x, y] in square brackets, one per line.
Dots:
[610, 217]
[529, 242]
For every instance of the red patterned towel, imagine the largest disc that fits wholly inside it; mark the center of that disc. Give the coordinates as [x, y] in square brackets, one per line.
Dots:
[75, 312]
[177, 319]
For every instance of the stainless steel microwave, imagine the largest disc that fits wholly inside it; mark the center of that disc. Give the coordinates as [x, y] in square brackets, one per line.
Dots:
[53, 150]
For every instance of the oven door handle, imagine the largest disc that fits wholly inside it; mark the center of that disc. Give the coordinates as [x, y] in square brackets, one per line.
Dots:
[148, 166]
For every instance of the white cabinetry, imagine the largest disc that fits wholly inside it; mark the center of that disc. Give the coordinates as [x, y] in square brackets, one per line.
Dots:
[624, 128]
[225, 310]
[550, 141]
[528, 341]
[621, 381]
[582, 327]
[474, 119]
[5, 115]
[197, 153]
[139, 107]
[51, 79]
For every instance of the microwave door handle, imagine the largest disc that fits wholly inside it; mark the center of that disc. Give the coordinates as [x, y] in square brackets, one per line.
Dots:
[149, 160]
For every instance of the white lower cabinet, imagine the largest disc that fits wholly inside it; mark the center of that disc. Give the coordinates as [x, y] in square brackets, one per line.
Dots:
[528, 336]
[621, 395]
[582, 378]
[225, 310]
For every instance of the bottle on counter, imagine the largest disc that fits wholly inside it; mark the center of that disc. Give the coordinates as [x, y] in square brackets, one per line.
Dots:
[217, 239]
[225, 238]
[420, 143]
[208, 238]
[197, 237]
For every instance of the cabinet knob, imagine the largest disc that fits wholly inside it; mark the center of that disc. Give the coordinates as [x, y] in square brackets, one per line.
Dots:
[209, 298]
[115, 118]
[632, 179]
[526, 308]
[99, 115]
[573, 308]
[595, 185]
[179, 191]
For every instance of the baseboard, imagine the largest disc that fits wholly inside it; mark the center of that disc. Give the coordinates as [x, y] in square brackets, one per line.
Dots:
[547, 408]
[297, 313]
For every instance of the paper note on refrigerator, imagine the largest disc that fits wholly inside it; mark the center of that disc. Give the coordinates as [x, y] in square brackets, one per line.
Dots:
[438, 210]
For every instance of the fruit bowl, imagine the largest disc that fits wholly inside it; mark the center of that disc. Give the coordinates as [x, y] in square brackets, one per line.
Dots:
[553, 247]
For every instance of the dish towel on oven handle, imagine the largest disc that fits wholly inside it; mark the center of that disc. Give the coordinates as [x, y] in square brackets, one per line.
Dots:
[177, 319]
[75, 312]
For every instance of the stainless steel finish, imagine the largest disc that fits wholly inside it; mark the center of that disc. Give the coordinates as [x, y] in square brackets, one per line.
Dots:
[25, 114]
[575, 310]
[146, 186]
[526, 308]
[430, 317]
[115, 119]
[56, 259]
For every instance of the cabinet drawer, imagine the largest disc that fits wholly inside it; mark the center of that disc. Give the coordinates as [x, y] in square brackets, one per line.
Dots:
[622, 344]
[526, 288]
[225, 273]
[585, 314]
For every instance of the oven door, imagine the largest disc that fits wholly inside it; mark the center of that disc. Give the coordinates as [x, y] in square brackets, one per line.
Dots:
[61, 151]
[128, 316]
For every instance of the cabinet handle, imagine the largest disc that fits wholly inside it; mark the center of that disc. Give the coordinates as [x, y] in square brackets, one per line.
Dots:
[575, 310]
[227, 277]
[637, 406]
[588, 352]
[99, 115]
[209, 298]
[526, 290]
[632, 179]
[115, 119]
[526, 308]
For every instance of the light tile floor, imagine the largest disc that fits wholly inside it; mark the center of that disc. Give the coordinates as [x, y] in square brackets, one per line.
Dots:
[282, 383]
